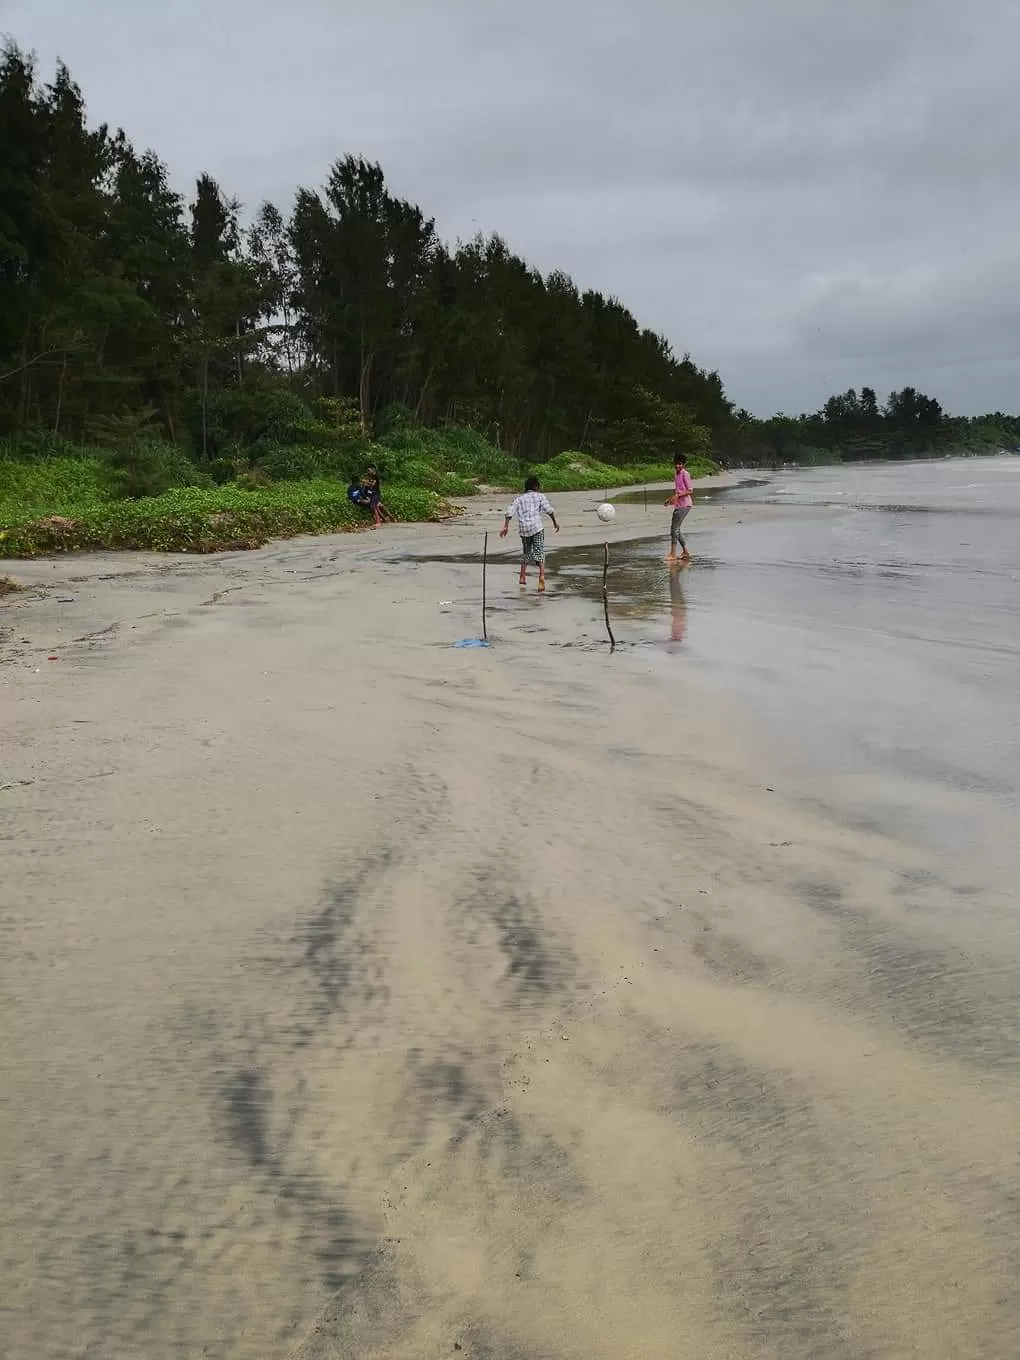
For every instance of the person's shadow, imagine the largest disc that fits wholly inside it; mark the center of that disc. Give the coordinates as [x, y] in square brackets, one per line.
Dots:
[677, 603]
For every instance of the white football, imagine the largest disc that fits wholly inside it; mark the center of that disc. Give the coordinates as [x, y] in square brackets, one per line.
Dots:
[606, 512]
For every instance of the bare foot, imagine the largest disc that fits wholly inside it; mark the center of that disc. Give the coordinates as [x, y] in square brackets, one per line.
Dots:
[671, 558]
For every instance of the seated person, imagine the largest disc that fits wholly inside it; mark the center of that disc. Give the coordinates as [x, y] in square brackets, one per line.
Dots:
[358, 493]
[373, 485]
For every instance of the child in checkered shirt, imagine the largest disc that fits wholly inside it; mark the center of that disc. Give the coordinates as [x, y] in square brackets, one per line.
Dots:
[528, 511]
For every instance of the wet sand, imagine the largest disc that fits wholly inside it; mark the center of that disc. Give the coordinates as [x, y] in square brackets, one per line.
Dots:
[362, 996]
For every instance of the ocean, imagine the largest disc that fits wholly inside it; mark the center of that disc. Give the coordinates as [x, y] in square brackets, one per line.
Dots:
[871, 627]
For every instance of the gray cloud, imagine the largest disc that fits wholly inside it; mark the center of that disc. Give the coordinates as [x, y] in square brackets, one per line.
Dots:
[807, 195]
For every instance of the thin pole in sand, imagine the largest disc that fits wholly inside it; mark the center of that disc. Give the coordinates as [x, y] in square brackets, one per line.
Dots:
[605, 600]
[485, 567]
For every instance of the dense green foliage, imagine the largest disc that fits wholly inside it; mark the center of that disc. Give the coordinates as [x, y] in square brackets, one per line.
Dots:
[852, 426]
[71, 504]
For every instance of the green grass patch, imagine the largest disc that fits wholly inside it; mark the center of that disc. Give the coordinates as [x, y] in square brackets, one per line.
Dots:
[56, 497]
[580, 472]
[39, 447]
[53, 486]
[71, 508]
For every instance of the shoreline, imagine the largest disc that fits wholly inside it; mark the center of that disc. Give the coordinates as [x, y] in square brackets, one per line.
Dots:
[475, 515]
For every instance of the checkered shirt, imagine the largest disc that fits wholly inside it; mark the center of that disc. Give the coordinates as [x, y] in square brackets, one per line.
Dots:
[528, 511]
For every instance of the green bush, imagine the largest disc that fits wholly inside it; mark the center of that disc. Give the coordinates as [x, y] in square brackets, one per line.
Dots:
[395, 417]
[54, 487]
[38, 447]
[639, 473]
[60, 470]
[287, 462]
[580, 472]
[308, 462]
[453, 484]
[420, 472]
[222, 470]
[150, 468]
[243, 415]
[404, 451]
[252, 479]
[346, 444]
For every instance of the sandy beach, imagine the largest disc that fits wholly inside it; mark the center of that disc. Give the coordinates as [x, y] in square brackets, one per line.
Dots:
[363, 996]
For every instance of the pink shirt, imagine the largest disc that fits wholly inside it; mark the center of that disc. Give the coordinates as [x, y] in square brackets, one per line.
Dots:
[684, 488]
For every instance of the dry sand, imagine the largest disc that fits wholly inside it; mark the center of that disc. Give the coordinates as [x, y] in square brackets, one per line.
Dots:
[362, 996]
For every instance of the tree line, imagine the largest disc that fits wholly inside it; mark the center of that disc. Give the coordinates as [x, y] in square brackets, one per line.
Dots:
[129, 313]
[853, 426]
[123, 309]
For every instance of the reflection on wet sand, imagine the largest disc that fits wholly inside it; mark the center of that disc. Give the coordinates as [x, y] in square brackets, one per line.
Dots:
[639, 584]
[677, 603]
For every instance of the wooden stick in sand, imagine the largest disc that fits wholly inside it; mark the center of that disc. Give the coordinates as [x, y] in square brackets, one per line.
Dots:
[605, 600]
[485, 566]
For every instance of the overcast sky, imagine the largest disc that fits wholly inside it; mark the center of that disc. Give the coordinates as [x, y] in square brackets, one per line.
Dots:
[805, 194]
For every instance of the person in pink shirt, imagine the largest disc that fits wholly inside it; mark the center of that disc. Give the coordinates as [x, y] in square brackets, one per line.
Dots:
[681, 500]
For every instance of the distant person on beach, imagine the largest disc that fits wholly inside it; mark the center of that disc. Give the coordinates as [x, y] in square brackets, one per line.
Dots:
[681, 500]
[366, 493]
[357, 493]
[372, 487]
[528, 511]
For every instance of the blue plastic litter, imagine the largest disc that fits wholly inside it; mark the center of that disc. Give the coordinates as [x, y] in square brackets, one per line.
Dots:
[471, 642]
